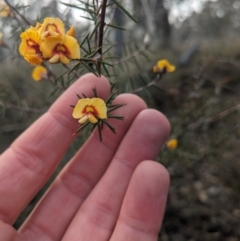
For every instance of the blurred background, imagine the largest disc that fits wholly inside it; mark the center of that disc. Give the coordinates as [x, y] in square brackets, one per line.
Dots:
[201, 98]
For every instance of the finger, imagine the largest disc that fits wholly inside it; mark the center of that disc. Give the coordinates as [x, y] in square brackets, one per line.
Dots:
[32, 158]
[144, 204]
[97, 216]
[53, 215]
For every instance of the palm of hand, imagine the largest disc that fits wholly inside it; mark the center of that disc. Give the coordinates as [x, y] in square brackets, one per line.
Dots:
[110, 190]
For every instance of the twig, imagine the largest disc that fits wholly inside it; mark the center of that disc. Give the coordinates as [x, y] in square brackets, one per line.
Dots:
[16, 11]
[74, 72]
[54, 77]
[95, 4]
[151, 83]
[13, 127]
[21, 108]
[138, 52]
[205, 153]
[101, 33]
[215, 117]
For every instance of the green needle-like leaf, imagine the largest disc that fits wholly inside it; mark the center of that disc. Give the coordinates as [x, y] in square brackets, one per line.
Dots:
[77, 7]
[109, 126]
[124, 10]
[82, 127]
[115, 26]
[99, 131]
[95, 29]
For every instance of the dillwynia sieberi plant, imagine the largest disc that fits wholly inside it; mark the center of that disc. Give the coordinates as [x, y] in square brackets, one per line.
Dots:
[49, 42]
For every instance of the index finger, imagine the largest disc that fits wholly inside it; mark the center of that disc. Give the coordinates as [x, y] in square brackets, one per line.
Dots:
[32, 158]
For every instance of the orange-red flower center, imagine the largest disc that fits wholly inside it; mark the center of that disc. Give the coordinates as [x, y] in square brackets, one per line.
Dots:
[89, 109]
[52, 27]
[61, 49]
[33, 45]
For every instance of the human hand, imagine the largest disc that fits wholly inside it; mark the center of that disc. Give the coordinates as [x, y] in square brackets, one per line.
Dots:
[110, 190]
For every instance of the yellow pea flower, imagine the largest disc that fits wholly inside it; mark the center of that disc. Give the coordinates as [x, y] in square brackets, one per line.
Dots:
[48, 41]
[172, 144]
[95, 111]
[30, 46]
[60, 48]
[90, 110]
[164, 65]
[39, 72]
[51, 27]
[5, 10]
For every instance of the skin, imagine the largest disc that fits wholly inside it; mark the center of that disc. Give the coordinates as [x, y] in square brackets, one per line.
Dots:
[109, 190]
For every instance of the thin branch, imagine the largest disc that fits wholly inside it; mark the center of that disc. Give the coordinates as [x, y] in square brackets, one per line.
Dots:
[101, 33]
[215, 117]
[96, 12]
[133, 55]
[16, 11]
[74, 72]
[151, 83]
[205, 153]
[21, 108]
[54, 77]
[14, 127]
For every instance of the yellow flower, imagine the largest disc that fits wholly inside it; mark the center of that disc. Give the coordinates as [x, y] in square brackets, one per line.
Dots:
[90, 110]
[95, 111]
[5, 10]
[30, 46]
[172, 144]
[39, 72]
[48, 41]
[164, 65]
[2, 44]
[51, 27]
[60, 48]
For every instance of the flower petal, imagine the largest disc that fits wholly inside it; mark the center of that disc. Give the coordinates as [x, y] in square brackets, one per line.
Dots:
[47, 46]
[73, 47]
[64, 59]
[92, 119]
[100, 106]
[79, 108]
[65, 46]
[39, 72]
[164, 64]
[71, 31]
[33, 58]
[54, 59]
[30, 46]
[83, 120]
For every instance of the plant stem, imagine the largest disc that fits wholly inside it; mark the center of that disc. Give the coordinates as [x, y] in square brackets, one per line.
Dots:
[16, 11]
[100, 35]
